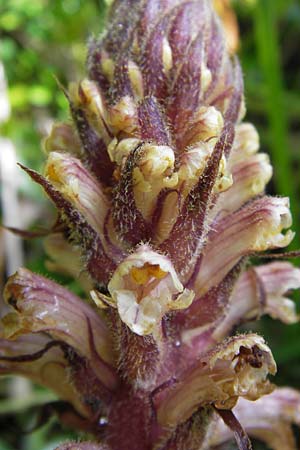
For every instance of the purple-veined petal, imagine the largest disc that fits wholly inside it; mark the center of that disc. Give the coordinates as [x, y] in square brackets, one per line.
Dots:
[50, 370]
[237, 367]
[68, 175]
[100, 266]
[43, 306]
[250, 178]
[269, 419]
[56, 365]
[82, 190]
[256, 227]
[261, 290]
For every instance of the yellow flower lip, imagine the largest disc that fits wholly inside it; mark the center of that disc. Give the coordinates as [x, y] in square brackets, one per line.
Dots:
[141, 275]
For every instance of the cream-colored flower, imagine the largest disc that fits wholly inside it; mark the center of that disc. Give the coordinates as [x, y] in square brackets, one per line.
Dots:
[144, 288]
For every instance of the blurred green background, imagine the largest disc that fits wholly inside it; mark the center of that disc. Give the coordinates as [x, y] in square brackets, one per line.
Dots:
[41, 40]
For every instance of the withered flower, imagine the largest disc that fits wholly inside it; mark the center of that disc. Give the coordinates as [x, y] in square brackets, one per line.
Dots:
[160, 195]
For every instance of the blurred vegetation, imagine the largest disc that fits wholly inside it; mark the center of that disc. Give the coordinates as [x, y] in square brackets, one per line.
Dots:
[46, 39]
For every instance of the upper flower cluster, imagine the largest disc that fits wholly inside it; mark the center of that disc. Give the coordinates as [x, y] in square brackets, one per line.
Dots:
[159, 189]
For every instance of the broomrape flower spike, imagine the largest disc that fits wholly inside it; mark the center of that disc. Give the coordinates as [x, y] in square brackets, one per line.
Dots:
[160, 196]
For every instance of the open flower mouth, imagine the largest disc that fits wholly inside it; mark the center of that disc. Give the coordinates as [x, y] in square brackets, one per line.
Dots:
[146, 279]
[144, 288]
